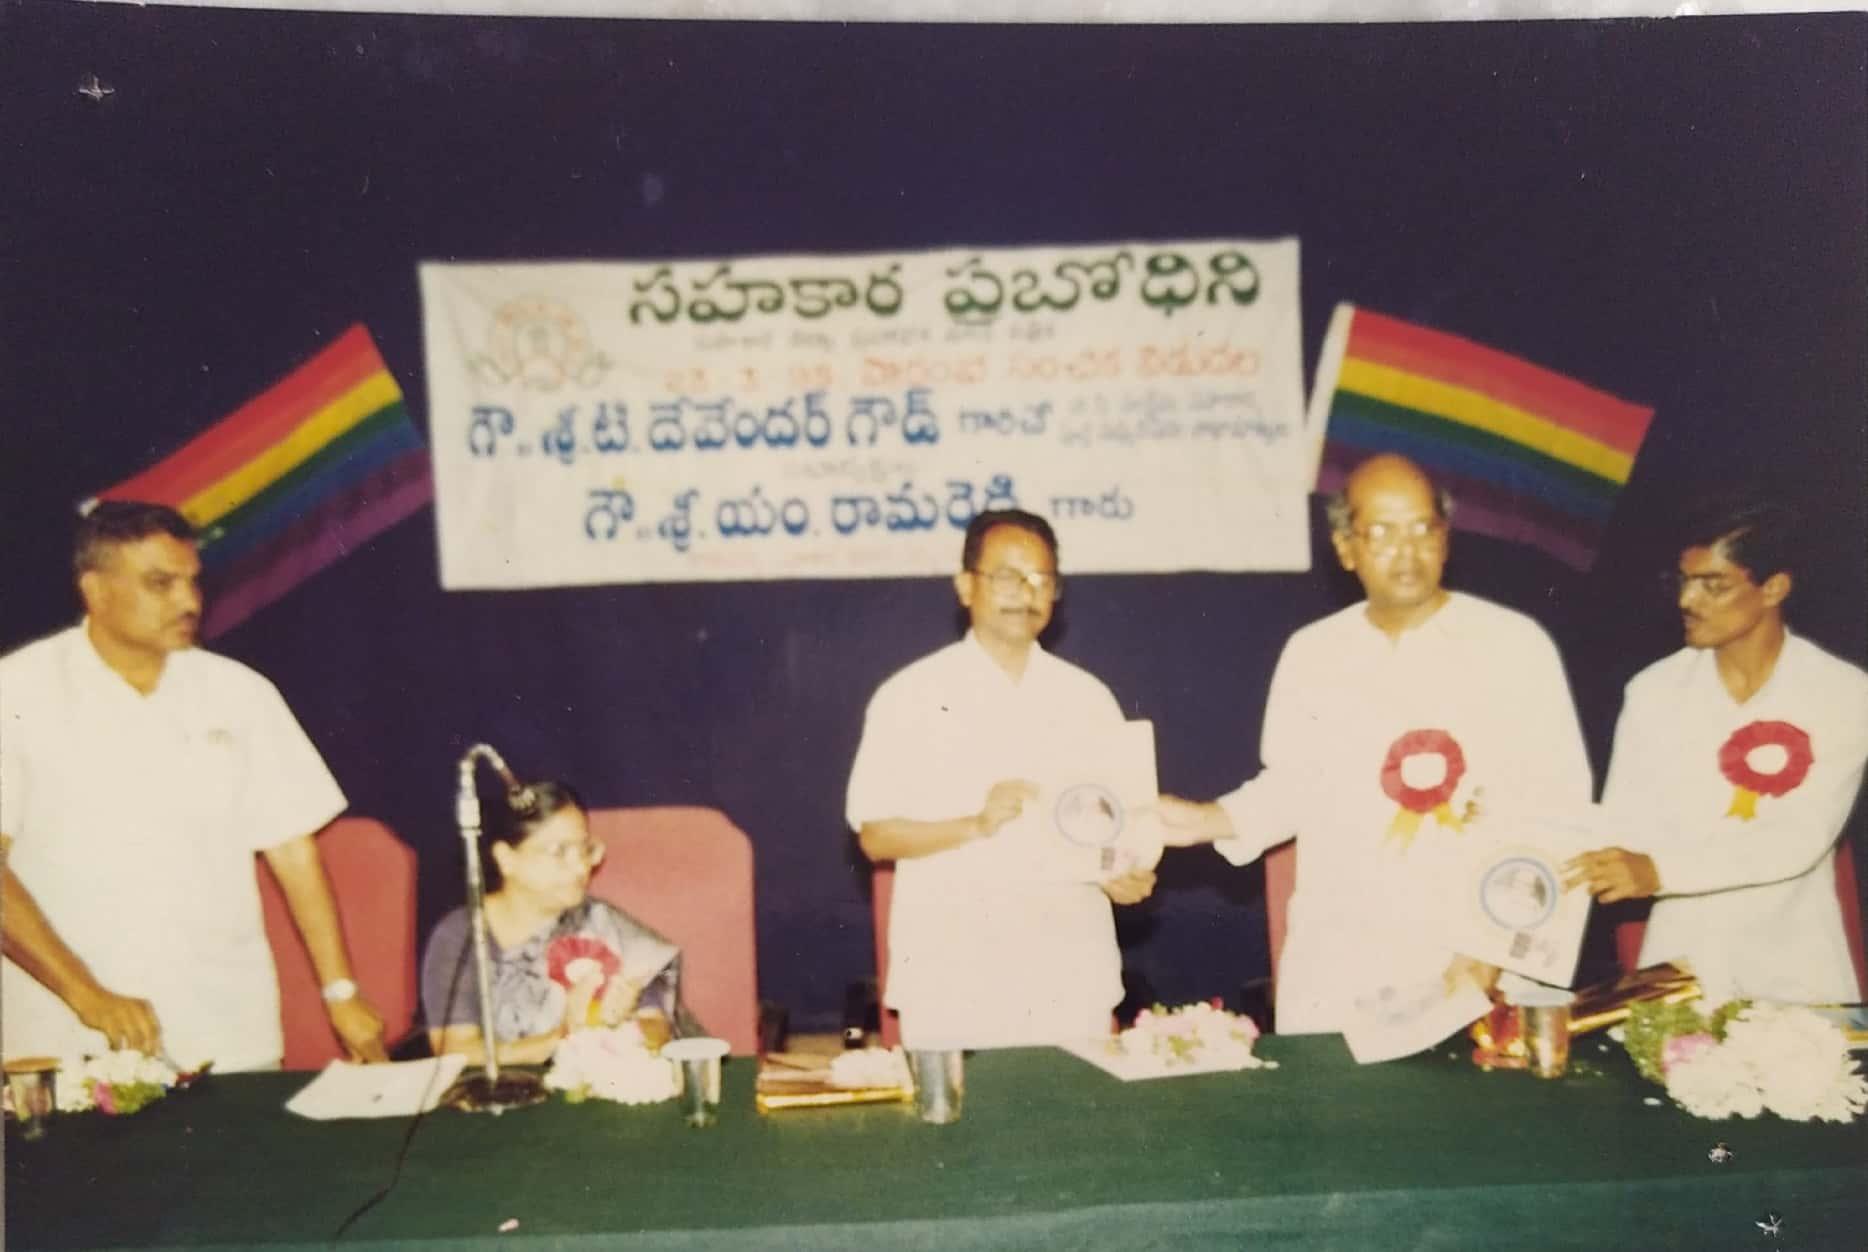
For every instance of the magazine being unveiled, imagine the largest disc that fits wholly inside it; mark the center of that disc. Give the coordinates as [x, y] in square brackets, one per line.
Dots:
[1513, 911]
[1099, 820]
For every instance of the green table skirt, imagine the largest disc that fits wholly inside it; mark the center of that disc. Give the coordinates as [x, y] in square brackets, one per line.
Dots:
[1319, 1153]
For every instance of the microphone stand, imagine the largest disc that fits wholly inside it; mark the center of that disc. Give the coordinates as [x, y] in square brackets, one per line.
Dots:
[486, 1090]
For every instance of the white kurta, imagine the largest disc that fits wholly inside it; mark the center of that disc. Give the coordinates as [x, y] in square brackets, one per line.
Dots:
[1364, 911]
[134, 820]
[981, 953]
[1749, 903]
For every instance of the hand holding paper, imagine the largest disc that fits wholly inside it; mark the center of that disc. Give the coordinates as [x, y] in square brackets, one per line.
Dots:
[1130, 886]
[1185, 823]
[1005, 801]
[1612, 874]
[1098, 824]
[1513, 909]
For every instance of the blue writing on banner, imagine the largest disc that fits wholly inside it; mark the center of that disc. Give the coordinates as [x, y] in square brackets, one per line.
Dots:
[609, 509]
[1113, 505]
[678, 527]
[910, 509]
[756, 515]
[490, 421]
[1030, 420]
[872, 414]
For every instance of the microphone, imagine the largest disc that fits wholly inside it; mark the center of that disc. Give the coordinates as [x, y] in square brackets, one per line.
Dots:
[486, 1090]
[467, 797]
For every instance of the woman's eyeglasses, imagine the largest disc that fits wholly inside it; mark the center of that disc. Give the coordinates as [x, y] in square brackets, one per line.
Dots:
[588, 852]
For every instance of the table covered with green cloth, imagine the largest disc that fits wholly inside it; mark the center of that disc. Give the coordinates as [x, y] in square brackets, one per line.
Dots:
[1427, 1152]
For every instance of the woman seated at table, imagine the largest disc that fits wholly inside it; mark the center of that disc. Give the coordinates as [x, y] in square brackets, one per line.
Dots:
[560, 961]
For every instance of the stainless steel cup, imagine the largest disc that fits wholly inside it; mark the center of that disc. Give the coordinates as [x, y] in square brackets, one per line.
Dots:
[940, 1084]
[699, 1063]
[1544, 1027]
[32, 1087]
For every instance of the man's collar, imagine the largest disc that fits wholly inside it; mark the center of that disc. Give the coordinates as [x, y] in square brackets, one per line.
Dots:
[1449, 619]
[977, 651]
[93, 668]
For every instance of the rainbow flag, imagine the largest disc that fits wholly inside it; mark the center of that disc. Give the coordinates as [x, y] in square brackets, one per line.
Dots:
[293, 479]
[1529, 455]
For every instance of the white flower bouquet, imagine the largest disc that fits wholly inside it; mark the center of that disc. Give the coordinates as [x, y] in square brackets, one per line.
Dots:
[114, 1083]
[1748, 1058]
[1200, 1034]
[613, 1064]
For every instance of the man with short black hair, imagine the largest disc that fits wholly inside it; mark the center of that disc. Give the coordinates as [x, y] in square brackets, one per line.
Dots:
[980, 956]
[138, 775]
[1736, 762]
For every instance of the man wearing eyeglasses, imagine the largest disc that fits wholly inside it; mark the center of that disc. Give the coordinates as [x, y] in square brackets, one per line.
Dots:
[981, 952]
[1736, 762]
[1382, 724]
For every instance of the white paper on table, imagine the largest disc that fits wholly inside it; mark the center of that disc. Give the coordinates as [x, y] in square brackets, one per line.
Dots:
[1097, 819]
[1512, 910]
[396, 1089]
[1392, 1022]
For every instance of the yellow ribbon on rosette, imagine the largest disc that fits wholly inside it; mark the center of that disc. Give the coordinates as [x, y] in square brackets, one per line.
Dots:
[1763, 759]
[1415, 803]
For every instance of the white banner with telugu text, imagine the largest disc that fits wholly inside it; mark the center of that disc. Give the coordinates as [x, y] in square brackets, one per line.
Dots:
[845, 416]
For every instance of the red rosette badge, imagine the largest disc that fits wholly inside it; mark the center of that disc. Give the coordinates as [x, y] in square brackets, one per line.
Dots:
[1417, 802]
[571, 959]
[1763, 759]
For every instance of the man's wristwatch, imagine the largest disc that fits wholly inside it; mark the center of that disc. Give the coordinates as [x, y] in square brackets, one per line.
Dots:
[338, 990]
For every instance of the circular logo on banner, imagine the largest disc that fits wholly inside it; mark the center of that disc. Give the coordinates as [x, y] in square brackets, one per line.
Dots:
[1518, 893]
[1089, 815]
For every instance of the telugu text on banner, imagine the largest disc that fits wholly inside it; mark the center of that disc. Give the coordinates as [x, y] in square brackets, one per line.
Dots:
[845, 416]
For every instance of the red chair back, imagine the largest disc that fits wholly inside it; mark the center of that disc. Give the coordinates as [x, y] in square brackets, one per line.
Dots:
[372, 876]
[687, 873]
[1628, 934]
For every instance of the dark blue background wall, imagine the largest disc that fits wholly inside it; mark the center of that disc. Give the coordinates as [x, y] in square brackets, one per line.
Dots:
[1674, 211]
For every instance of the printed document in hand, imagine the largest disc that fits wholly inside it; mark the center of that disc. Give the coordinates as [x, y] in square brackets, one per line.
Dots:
[1097, 819]
[397, 1089]
[1513, 911]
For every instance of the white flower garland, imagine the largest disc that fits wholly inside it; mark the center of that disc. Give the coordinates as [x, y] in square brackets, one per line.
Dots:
[121, 1070]
[613, 1064]
[1783, 1058]
[1193, 1034]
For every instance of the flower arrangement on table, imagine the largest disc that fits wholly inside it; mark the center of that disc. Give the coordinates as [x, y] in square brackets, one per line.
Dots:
[1746, 1057]
[116, 1083]
[611, 1064]
[1192, 1037]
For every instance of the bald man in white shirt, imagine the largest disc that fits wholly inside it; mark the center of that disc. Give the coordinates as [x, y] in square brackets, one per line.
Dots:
[1383, 723]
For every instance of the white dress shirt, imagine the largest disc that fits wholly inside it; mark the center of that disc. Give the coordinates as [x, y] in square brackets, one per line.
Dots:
[134, 819]
[1749, 903]
[982, 952]
[1366, 909]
